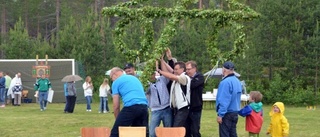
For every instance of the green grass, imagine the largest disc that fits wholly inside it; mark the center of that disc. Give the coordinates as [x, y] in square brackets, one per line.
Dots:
[28, 121]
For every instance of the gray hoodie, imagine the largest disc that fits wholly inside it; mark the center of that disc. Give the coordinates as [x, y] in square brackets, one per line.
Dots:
[71, 89]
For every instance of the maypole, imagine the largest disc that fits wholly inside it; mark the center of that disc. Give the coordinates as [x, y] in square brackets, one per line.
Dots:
[134, 10]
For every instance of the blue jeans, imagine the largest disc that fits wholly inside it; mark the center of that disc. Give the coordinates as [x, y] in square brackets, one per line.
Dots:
[193, 124]
[89, 101]
[228, 127]
[164, 115]
[103, 104]
[136, 116]
[2, 96]
[43, 96]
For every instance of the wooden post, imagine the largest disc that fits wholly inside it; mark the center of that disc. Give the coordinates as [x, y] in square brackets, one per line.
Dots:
[46, 59]
[37, 57]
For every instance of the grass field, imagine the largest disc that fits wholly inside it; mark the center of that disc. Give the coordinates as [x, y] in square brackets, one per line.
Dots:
[28, 121]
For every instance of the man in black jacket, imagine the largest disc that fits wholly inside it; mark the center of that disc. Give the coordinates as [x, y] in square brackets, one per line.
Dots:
[196, 88]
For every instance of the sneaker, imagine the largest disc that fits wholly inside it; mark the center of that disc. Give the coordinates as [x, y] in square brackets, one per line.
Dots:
[45, 108]
[41, 109]
[99, 112]
[89, 110]
[2, 106]
[105, 112]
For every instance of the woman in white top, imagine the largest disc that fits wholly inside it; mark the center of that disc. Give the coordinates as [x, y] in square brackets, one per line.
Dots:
[103, 94]
[88, 88]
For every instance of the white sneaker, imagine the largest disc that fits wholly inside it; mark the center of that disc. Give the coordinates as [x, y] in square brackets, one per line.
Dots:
[99, 112]
[45, 108]
[89, 110]
[105, 111]
[41, 109]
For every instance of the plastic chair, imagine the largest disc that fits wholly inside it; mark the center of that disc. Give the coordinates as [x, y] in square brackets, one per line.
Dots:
[170, 131]
[95, 132]
[132, 131]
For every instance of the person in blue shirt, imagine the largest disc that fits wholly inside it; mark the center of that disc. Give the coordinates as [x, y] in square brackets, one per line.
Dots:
[135, 109]
[65, 89]
[228, 101]
[2, 89]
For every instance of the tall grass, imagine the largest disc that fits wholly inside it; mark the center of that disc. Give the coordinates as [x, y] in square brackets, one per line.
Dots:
[28, 121]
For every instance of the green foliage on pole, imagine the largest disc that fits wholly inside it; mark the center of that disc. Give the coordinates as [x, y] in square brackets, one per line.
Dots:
[135, 11]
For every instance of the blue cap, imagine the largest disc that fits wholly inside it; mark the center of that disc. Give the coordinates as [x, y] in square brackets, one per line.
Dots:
[228, 65]
[128, 65]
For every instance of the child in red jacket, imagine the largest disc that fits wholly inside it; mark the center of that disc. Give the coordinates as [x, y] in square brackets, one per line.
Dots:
[253, 113]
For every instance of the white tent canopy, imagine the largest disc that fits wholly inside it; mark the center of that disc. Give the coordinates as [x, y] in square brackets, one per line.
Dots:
[217, 73]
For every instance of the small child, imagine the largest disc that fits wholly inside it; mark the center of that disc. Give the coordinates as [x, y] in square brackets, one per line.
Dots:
[279, 126]
[253, 113]
[103, 94]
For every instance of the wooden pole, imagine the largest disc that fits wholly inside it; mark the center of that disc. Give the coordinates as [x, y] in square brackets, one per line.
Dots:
[37, 57]
[46, 59]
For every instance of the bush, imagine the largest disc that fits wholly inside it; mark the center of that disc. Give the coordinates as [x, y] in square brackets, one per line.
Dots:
[277, 88]
[290, 92]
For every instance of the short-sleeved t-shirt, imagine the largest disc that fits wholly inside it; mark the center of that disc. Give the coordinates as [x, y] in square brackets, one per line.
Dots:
[130, 89]
[182, 79]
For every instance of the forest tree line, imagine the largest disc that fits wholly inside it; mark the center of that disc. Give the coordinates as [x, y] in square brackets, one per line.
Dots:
[282, 60]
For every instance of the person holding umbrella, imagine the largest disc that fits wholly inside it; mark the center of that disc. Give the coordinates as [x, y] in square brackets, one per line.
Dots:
[43, 85]
[70, 92]
[71, 97]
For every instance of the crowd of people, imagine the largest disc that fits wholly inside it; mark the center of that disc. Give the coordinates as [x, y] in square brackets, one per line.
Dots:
[10, 89]
[71, 95]
[174, 97]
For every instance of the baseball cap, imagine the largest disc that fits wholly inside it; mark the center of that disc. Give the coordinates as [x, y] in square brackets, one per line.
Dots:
[228, 65]
[128, 65]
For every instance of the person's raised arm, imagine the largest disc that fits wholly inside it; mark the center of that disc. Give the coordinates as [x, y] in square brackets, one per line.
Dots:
[165, 67]
[168, 53]
[171, 61]
[168, 75]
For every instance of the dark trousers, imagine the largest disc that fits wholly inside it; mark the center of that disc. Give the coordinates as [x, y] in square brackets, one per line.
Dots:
[71, 103]
[5, 96]
[193, 124]
[136, 115]
[228, 127]
[65, 108]
[180, 116]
